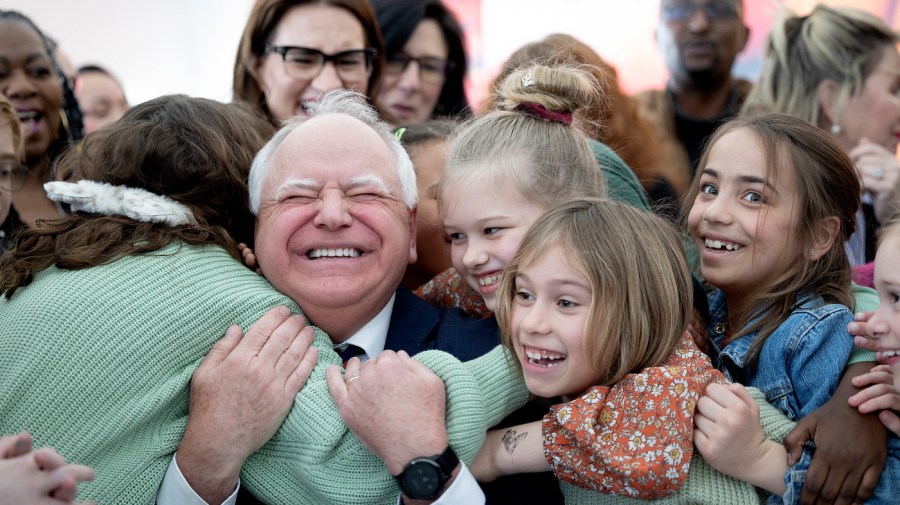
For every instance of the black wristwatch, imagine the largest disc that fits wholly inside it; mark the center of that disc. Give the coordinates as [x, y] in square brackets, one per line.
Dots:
[423, 478]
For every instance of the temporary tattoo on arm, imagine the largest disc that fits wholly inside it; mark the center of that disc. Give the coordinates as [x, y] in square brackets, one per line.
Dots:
[511, 439]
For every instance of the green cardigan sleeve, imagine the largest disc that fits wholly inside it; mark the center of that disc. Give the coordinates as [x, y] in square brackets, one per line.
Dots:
[314, 458]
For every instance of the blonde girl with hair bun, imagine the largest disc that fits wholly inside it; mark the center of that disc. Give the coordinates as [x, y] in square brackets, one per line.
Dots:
[504, 170]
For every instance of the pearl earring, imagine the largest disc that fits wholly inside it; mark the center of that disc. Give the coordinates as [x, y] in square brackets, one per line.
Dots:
[835, 129]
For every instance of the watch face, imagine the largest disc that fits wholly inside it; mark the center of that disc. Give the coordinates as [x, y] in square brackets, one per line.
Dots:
[422, 479]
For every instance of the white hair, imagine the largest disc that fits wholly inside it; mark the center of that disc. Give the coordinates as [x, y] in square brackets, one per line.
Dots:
[348, 103]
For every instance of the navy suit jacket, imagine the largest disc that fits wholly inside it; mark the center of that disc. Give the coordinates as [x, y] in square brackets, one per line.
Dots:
[418, 326]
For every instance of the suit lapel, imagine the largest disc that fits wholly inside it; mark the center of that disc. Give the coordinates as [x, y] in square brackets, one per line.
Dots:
[412, 323]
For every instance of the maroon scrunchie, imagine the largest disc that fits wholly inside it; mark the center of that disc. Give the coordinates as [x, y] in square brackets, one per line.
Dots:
[541, 112]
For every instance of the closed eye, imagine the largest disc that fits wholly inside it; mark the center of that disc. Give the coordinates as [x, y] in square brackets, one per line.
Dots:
[364, 196]
[299, 199]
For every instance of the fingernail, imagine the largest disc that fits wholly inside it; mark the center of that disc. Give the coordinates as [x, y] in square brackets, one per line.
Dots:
[284, 311]
[232, 330]
[21, 445]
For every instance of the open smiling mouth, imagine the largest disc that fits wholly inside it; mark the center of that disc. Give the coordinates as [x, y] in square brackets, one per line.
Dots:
[718, 245]
[346, 252]
[29, 120]
[544, 359]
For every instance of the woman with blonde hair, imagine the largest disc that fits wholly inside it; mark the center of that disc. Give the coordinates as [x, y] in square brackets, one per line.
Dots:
[839, 69]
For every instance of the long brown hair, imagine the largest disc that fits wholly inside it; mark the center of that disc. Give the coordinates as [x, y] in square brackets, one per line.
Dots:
[193, 150]
[827, 187]
[264, 18]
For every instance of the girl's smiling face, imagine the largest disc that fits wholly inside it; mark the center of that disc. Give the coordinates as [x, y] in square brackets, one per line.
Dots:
[485, 224]
[744, 220]
[885, 323]
[549, 315]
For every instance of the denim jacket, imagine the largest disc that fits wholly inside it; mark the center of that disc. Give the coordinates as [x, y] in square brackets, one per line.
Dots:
[799, 365]
[801, 362]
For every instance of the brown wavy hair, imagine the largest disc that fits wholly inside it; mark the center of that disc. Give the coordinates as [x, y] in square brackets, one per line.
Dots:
[265, 16]
[195, 151]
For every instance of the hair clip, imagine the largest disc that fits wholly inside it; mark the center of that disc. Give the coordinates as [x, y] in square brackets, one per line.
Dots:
[398, 133]
[528, 80]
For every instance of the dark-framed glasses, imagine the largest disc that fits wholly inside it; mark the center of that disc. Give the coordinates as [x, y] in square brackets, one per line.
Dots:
[717, 10]
[306, 63]
[431, 69]
[12, 175]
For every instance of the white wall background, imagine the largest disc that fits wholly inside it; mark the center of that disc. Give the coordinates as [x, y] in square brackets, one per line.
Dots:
[155, 47]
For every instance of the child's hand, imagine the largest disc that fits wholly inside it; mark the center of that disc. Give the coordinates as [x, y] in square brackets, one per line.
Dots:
[879, 395]
[249, 258]
[39, 477]
[860, 331]
[729, 436]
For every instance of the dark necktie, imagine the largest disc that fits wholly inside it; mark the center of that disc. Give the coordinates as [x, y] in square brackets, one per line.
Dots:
[347, 351]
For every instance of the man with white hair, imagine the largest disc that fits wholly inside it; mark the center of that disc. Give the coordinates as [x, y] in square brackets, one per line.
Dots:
[335, 200]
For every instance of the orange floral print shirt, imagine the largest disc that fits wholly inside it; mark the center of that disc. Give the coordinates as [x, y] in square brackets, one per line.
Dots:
[635, 438]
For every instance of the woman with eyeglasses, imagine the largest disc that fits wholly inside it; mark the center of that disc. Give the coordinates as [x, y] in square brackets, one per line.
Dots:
[45, 105]
[425, 62]
[292, 52]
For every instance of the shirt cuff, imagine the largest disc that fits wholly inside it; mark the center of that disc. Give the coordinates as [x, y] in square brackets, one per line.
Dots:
[464, 490]
[175, 489]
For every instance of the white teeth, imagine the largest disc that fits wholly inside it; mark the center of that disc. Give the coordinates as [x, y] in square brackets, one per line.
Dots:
[487, 281]
[718, 244]
[890, 354]
[544, 358]
[27, 115]
[333, 253]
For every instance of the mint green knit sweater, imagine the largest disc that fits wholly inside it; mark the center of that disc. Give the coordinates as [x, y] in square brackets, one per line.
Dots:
[97, 363]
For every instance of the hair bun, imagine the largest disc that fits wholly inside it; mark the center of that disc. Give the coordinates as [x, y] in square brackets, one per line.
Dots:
[559, 90]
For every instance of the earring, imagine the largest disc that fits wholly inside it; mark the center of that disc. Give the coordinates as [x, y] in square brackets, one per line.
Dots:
[812, 253]
[835, 129]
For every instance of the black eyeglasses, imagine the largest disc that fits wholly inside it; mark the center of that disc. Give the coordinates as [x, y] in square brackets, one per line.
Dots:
[714, 11]
[431, 69]
[12, 175]
[306, 63]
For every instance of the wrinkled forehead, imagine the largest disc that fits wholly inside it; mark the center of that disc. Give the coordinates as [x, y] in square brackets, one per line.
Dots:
[335, 148]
